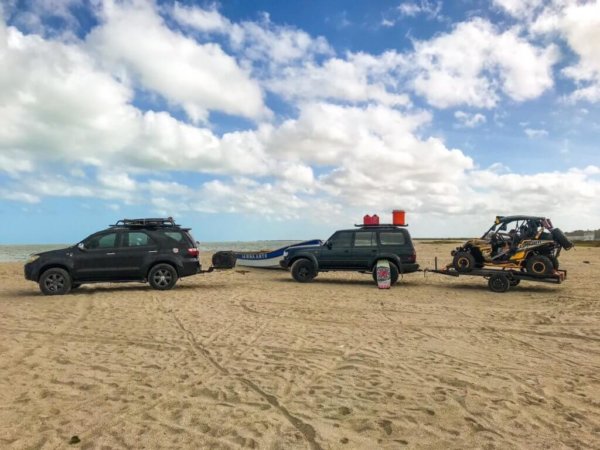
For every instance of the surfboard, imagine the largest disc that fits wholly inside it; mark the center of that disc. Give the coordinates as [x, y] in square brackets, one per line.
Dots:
[384, 279]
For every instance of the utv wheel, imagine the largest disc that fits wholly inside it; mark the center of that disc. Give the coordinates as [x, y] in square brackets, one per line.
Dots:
[55, 282]
[560, 237]
[162, 277]
[463, 262]
[539, 265]
[499, 283]
[394, 273]
[303, 270]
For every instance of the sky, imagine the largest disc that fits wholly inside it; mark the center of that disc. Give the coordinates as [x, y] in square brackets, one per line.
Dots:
[252, 120]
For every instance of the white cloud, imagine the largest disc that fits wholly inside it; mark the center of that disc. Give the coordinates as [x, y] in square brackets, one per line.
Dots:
[258, 41]
[533, 133]
[412, 9]
[519, 8]
[469, 120]
[579, 24]
[198, 77]
[358, 78]
[208, 20]
[474, 63]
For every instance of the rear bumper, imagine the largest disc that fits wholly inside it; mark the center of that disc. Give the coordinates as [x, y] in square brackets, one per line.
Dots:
[190, 267]
[409, 268]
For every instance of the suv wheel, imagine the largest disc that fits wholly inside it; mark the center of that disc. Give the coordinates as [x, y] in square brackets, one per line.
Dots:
[539, 265]
[55, 282]
[303, 270]
[463, 262]
[162, 277]
[394, 273]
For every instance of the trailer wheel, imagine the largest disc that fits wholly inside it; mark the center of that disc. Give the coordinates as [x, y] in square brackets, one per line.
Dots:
[463, 262]
[499, 283]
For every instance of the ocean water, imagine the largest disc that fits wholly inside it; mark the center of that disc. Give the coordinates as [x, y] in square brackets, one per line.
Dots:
[9, 253]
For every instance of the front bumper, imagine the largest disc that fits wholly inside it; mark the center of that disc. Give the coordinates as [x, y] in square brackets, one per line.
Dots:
[30, 272]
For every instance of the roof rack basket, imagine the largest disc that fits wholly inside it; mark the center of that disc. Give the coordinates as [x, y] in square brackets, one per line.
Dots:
[156, 222]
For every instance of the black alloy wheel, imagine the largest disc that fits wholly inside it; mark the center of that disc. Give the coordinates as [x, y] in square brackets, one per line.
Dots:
[162, 277]
[55, 281]
[303, 270]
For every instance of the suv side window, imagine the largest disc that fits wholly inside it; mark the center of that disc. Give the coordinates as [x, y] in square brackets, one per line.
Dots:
[136, 239]
[364, 239]
[392, 238]
[342, 239]
[102, 241]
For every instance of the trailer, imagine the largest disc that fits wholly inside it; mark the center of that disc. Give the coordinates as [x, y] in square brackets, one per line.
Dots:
[501, 280]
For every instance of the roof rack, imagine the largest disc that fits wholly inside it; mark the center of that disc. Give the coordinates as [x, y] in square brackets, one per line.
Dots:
[153, 222]
[379, 225]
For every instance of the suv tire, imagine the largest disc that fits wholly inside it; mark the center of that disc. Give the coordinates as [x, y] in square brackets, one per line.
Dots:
[303, 270]
[55, 281]
[162, 277]
[539, 265]
[394, 273]
[463, 262]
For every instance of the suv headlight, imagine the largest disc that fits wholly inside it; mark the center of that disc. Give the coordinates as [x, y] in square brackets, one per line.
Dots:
[32, 258]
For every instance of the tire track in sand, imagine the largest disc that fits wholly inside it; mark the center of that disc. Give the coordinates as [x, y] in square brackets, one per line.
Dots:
[304, 428]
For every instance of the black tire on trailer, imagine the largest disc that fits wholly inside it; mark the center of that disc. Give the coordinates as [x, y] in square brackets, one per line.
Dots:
[499, 282]
[539, 265]
[162, 277]
[303, 270]
[55, 281]
[514, 282]
[394, 273]
[463, 262]
[560, 237]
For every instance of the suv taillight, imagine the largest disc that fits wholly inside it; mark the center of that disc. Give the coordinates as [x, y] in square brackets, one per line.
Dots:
[413, 258]
[193, 252]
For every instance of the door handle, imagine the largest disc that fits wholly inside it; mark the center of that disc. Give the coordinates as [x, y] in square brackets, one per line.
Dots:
[152, 251]
[111, 253]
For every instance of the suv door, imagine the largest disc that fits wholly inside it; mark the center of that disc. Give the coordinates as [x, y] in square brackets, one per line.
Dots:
[96, 260]
[337, 252]
[364, 250]
[134, 254]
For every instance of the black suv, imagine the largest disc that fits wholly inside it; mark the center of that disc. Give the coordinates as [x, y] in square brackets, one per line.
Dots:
[354, 250]
[154, 250]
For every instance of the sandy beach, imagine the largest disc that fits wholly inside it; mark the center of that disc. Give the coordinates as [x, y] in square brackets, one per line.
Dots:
[253, 359]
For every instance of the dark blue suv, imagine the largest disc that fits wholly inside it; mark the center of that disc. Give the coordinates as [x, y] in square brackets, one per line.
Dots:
[154, 250]
[354, 250]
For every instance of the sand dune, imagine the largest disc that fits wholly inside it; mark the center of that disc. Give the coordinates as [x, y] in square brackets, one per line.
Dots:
[255, 360]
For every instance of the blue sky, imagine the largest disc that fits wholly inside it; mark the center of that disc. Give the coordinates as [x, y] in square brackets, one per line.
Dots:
[288, 120]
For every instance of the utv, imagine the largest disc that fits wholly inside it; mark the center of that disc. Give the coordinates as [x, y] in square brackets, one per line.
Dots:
[527, 243]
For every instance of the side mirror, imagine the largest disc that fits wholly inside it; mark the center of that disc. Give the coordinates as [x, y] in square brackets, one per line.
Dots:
[328, 245]
[81, 246]
[503, 227]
